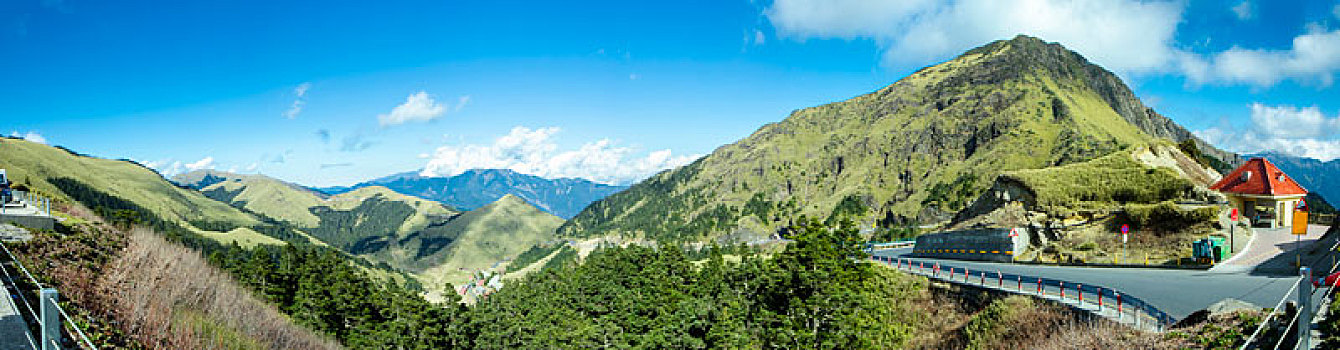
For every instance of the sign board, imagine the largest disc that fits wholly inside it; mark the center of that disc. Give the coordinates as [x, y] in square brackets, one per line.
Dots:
[1014, 232]
[1302, 205]
[1233, 215]
[1124, 230]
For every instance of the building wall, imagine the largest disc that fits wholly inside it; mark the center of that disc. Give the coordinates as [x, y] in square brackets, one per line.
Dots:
[981, 244]
[1283, 207]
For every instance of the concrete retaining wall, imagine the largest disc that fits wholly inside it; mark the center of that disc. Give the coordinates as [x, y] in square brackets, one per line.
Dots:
[30, 221]
[980, 244]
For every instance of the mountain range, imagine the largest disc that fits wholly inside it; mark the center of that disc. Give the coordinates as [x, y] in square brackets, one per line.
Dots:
[471, 189]
[914, 152]
[433, 242]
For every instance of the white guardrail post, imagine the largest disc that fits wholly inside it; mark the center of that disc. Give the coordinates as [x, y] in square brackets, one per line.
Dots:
[1304, 307]
[50, 320]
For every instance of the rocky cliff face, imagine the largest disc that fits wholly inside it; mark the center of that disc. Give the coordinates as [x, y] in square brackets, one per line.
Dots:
[918, 150]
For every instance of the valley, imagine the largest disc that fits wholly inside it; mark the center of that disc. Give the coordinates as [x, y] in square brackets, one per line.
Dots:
[766, 242]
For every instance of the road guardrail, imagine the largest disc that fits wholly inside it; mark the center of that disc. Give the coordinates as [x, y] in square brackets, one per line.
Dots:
[1100, 300]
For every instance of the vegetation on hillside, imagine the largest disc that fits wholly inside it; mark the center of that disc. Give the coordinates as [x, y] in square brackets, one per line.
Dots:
[532, 255]
[1112, 179]
[918, 150]
[35, 165]
[133, 289]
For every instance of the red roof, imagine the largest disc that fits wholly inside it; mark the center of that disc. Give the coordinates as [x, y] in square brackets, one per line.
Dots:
[1259, 177]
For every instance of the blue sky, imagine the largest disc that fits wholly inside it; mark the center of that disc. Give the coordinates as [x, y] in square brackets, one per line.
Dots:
[331, 94]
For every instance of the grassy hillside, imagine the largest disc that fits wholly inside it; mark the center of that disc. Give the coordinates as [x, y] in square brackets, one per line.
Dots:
[420, 236]
[37, 166]
[257, 193]
[484, 237]
[1078, 206]
[915, 151]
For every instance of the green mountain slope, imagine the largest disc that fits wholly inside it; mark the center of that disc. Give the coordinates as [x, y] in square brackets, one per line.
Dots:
[423, 237]
[258, 193]
[485, 236]
[59, 173]
[915, 151]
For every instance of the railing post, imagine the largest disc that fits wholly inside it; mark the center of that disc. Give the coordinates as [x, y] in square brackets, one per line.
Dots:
[50, 320]
[1304, 307]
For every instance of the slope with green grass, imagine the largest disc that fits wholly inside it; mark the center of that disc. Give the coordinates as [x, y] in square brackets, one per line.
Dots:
[52, 171]
[915, 151]
[483, 237]
[416, 235]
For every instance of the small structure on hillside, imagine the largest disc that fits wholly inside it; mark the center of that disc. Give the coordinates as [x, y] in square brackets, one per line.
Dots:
[1262, 193]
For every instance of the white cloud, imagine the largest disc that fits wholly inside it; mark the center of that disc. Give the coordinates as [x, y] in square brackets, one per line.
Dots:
[759, 38]
[253, 167]
[1303, 132]
[203, 163]
[30, 136]
[418, 107]
[167, 167]
[1126, 36]
[300, 91]
[1243, 10]
[1122, 35]
[460, 103]
[532, 151]
[1313, 57]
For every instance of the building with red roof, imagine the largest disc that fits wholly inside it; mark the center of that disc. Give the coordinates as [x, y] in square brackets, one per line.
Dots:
[1262, 192]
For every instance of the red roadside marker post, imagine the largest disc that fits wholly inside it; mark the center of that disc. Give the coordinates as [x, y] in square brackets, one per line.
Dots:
[1124, 229]
[1233, 221]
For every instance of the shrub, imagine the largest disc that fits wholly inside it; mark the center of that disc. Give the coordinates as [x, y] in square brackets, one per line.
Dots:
[1166, 216]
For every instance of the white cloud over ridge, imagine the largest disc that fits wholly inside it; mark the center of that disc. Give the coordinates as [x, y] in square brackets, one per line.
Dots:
[533, 152]
[1302, 132]
[203, 163]
[29, 136]
[418, 107]
[1126, 36]
[1122, 35]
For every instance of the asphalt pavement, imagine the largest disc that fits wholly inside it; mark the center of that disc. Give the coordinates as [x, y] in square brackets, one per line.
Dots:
[1177, 292]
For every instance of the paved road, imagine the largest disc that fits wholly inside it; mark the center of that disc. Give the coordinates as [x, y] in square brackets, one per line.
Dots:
[1176, 292]
[13, 330]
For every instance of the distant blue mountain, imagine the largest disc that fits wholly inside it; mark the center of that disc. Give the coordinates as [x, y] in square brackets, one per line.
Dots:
[476, 188]
[1322, 178]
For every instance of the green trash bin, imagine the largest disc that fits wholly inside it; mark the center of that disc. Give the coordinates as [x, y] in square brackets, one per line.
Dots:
[1217, 244]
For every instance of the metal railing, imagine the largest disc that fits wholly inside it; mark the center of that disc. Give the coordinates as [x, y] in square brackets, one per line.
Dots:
[42, 203]
[52, 325]
[1107, 302]
[1250, 342]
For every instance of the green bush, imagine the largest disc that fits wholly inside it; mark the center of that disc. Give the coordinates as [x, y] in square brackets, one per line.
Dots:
[1112, 179]
[1166, 216]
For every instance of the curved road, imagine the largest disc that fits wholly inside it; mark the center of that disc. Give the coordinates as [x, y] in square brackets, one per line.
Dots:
[1176, 292]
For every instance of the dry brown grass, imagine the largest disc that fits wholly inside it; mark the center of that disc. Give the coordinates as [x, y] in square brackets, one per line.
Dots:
[133, 289]
[167, 296]
[954, 317]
